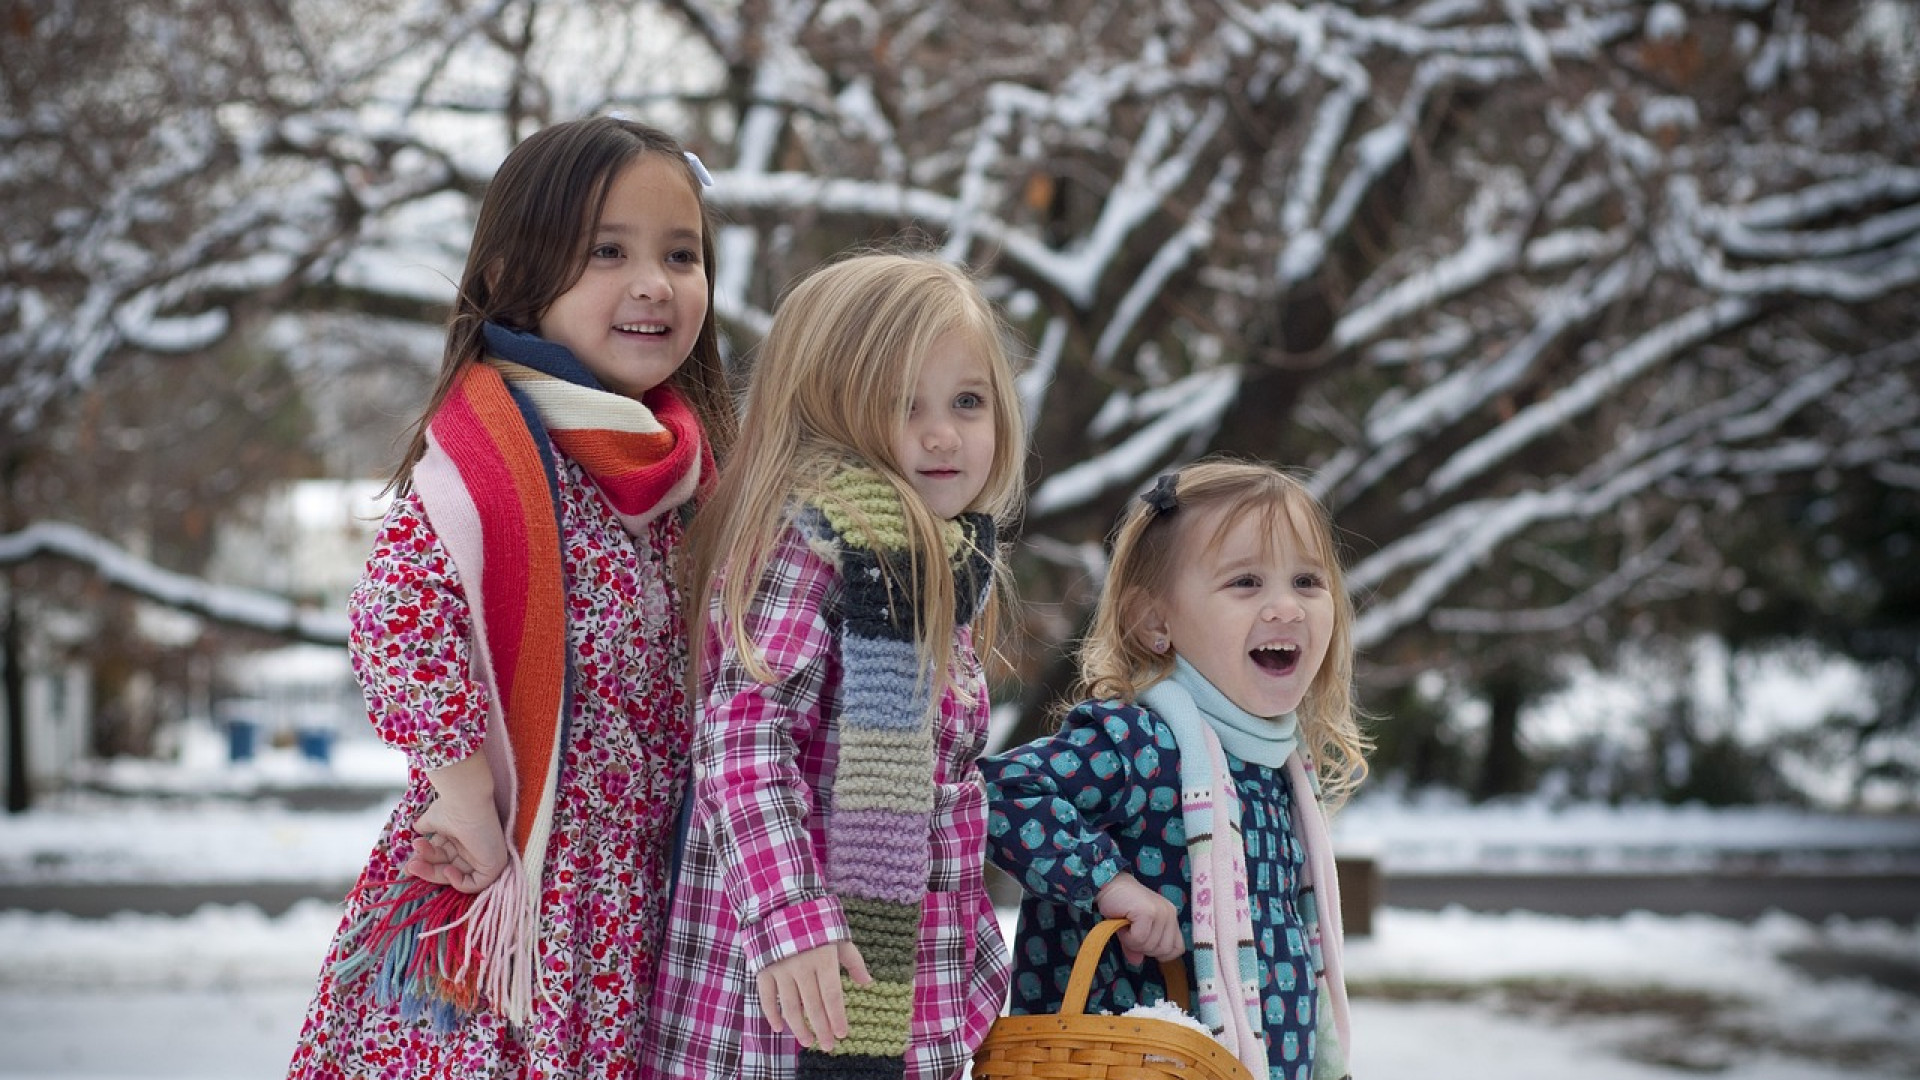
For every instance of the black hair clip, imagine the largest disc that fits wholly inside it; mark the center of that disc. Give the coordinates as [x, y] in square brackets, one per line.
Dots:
[1162, 497]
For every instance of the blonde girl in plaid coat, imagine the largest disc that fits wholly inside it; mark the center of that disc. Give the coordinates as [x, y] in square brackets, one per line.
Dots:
[830, 915]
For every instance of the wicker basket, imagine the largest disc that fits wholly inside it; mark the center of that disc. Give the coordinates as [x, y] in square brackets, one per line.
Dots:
[1070, 1045]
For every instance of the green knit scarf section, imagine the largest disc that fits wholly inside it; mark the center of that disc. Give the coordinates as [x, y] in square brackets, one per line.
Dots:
[879, 844]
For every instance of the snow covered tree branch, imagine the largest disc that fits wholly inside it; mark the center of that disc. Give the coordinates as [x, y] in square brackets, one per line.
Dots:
[247, 609]
[1521, 287]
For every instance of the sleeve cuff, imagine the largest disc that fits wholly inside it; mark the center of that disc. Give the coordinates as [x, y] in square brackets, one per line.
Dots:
[1087, 894]
[792, 930]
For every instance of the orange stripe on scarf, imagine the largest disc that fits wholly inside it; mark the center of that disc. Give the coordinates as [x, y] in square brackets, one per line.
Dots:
[637, 471]
[522, 582]
[489, 495]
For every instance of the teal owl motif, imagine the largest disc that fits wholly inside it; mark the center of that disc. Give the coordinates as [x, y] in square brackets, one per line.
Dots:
[1069, 812]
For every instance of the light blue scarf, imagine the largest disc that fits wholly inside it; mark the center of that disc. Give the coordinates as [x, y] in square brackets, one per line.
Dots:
[1256, 739]
[1192, 708]
[1225, 963]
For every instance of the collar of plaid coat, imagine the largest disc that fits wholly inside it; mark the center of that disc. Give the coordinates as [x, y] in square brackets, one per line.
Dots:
[879, 851]
[490, 486]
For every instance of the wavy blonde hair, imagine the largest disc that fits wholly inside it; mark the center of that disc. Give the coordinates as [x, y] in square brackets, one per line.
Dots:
[1116, 658]
[829, 387]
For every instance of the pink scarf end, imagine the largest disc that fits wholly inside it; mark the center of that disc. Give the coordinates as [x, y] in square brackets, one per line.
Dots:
[440, 953]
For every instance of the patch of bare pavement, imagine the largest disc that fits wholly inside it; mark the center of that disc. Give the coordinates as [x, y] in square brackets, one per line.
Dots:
[1744, 897]
[100, 901]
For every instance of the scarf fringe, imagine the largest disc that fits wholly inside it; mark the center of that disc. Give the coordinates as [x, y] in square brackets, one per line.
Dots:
[439, 952]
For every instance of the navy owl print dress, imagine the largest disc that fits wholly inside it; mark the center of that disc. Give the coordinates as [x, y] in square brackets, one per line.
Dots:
[1102, 796]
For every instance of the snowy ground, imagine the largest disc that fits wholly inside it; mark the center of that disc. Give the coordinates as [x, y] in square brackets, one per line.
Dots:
[1439, 995]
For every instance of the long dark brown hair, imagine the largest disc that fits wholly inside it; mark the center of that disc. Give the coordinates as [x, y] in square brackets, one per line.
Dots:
[530, 246]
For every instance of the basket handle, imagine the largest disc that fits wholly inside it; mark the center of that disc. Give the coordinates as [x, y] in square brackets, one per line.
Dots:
[1091, 949]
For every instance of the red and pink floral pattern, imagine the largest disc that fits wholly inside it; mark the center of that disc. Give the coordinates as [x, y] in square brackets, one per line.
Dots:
[624, 768]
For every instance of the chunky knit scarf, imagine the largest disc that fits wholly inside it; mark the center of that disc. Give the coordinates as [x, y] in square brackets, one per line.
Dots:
[1226, 967]
[489, 484]
[879, 846]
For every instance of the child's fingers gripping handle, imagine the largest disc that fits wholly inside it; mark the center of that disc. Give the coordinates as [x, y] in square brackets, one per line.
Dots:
[1080, 982]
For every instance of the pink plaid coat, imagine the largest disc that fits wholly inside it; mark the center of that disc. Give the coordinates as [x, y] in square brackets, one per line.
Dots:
[751, 890]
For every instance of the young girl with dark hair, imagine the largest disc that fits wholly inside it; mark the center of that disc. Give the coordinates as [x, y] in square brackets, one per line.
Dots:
[518, 632]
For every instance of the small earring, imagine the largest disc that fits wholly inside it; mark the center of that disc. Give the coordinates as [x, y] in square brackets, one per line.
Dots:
[1159, 644]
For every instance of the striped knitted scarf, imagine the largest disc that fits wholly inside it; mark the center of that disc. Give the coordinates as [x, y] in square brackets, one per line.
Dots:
[489, 484]
[1226, 966]
[879, 847]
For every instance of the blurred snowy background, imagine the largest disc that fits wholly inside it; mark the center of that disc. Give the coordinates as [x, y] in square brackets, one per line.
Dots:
[1593, 322]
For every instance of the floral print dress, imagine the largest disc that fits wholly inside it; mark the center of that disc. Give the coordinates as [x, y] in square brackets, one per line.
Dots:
[603, 905]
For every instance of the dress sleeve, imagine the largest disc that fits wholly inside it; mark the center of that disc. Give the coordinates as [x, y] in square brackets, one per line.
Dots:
[408, 639]
[756, 751]
[1054, 803]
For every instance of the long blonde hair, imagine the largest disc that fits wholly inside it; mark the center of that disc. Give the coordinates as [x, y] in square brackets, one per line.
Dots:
[830, 387]
[1117, 660]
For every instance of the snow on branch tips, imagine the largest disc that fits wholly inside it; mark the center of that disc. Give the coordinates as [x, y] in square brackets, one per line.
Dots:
[1206, 396]
[1478, 260]
[1459, 393]
[1176, 253]
[1592, 603]
[1586, 392]
[246, 608]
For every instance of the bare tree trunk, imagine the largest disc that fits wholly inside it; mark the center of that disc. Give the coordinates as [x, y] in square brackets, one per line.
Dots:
[1503, 769]
[19, 790]
[13, 678]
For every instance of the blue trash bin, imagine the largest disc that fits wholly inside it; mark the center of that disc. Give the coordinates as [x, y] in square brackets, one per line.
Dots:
[316, 744]
[243, 737]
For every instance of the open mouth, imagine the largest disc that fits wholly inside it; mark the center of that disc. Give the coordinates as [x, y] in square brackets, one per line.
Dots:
[645, 329]
[1276, 659]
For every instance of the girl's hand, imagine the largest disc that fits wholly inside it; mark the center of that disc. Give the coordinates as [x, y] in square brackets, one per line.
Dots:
[802, 993]
[456, 843]
[459, 840]
[1153, 923]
